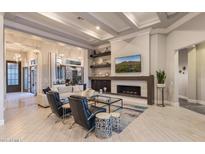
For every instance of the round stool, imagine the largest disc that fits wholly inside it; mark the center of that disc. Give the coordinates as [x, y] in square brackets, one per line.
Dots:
[115, 118]
[103, 125]
[65, 107]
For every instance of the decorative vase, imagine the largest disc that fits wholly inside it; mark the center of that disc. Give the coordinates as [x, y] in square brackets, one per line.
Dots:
[161, 85]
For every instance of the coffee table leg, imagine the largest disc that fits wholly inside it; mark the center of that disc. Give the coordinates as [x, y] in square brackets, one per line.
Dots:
[109, 108]
[121, 103]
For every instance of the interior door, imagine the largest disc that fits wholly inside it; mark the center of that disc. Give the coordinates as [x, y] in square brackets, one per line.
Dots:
[25, 79]
[33, 80]
[13, 76]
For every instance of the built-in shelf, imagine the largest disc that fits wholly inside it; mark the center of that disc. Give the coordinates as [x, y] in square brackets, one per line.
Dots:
[99, 78]
[100, 66]
[101, 54]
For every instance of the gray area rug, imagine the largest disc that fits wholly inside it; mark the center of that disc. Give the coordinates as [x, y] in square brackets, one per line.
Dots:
[128, 114]
[196, 107]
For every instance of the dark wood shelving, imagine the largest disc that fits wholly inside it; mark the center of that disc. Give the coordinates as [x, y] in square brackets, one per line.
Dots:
[99, 78]
[100, 66]
[101, 54]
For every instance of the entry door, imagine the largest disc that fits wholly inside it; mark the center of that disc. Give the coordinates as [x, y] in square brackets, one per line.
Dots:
[33, 75]
[13, 76]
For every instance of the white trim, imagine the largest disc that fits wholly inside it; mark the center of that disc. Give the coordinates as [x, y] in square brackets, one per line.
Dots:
[139, 33]
[1, 122]
[181, 21]
[201, 102]
[192, 100]
[175, 25]
[183, 97]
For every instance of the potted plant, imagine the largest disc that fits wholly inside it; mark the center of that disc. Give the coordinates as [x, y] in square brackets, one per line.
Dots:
[161, 76]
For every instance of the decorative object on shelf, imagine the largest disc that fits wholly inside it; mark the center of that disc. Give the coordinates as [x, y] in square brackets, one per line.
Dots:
[161, 76]
[100, 54]
[100, 61]
[107, 49]
[101, 91]
[94, 52]
[100, 65]
[105, 89]
[107, 74]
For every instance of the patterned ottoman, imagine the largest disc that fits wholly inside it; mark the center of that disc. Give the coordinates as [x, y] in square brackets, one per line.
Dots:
[115, 118]
[103, 125]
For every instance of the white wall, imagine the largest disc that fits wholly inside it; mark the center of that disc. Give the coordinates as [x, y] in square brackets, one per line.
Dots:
[192, 74]
[129, 46]
[200, 78]
[2, 74]
[178, 40]
[188, 34]
[157, 57]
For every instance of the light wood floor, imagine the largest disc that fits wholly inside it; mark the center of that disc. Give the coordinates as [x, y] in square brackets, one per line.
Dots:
[28, 122]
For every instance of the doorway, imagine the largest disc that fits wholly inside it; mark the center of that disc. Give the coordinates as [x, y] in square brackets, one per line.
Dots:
[26, 79]
[13, 76]
[33, 79]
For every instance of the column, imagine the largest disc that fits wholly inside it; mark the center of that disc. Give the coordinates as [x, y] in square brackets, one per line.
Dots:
[192, 75]
[2, 70]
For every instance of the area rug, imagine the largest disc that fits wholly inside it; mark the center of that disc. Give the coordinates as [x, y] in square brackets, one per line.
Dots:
[128, 114]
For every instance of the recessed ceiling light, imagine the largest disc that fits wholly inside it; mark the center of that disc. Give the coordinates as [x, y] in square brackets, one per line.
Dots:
[80, 18]
[97, 27]
[61, 44]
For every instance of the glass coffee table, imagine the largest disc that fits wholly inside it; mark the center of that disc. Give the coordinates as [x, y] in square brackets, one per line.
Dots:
[108, 101]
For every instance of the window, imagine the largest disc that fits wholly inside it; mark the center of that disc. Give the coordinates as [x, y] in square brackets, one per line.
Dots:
[13, 74]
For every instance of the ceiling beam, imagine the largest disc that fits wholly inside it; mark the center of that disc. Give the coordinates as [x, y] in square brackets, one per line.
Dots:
[162, 17]
[122, 16]
[94, 20]
[63, 21]
[44, 34]
[24, 19]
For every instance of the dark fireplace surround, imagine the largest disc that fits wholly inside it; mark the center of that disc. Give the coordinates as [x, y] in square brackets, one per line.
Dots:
[129, 90]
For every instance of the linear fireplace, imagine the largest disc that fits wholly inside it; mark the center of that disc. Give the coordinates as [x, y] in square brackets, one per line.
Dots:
[129, 90]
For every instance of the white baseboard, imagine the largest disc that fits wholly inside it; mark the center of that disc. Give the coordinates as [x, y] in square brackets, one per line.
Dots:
[183, 97]
[1, 122]
[169, 103]
[192, 100]
[201, 102]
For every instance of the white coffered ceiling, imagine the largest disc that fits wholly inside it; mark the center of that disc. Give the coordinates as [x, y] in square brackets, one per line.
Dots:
[91, 28]
[23, 42]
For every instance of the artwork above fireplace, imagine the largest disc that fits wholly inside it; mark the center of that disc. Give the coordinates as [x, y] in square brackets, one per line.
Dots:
[129, 90]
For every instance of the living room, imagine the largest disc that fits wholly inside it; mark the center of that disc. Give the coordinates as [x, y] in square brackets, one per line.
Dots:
[100, 76]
